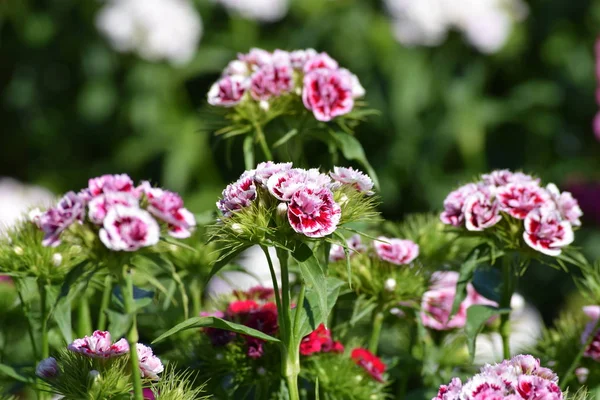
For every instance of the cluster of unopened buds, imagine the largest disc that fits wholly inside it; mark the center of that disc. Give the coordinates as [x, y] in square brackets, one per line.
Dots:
[100, 346]
[548, 215]
[261, 76]
[519, 378]
[306, 197]
[126, 217]
[393, 250]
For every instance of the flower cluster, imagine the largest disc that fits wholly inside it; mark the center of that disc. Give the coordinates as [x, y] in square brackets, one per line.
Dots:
[320, 341]
[253, 310]
[369, 362]
[326, 89]
[548, 215]
[306, 197]
[521, 377]
[100, 346]
[124, 215]
[437, 302]
[393, 250]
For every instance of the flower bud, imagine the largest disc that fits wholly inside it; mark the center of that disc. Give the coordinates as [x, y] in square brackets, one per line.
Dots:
[94, 375]
[282, 210]
[238, 228]
[390, 284]
[264, 105]
[57, 259]
[582, 374]
[18, 250]
[47, 368]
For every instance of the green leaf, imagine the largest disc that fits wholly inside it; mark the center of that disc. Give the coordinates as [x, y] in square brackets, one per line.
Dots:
[285, 138]
[249, 152]
[72, 277]
[62, 316]
[477, 316]
[214, 322]
[9, 371]
[315, 275]
[119, 323]
[226, 256]
[465, 276]
[353, 150]
[488, 283]
[312, 313]
[302, 252]
[170, 269]
[178, 243]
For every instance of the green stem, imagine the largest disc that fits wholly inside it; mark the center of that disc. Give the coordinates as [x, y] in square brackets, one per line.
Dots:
[84, 320]
[45, 351]
[196, 292]
[132, 335]
[507, 292]
[27, 312]
[260, 137]
[569, 375]
[275, 285]
[105, 302]
[377, 324]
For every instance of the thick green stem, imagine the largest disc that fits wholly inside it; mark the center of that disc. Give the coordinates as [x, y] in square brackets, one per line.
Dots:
[132, 335]
[105, 302]
[377, 324]
[260, 137]
[84, 319]
[569, 375]
[45, 349]
[508, 278]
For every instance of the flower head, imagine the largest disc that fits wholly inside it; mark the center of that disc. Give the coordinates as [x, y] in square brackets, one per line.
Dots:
[369, 362]
[501, 177]
[567, 206]
[237, 195]
[228, 91]
[357, 179]
[272, 80]
[481, 211]
[319, 341]
[313, 212]
[99, 205]
[354, 244]
[546, 232]
[265, 170]
[518, 199]
[47, 368]
[396, 251]
[320, 61]
[454, 203]
[129, 229]
[110, 183]
[70, 208]
[328, 93]
[168, 207]
[99, 345]
[150, 365]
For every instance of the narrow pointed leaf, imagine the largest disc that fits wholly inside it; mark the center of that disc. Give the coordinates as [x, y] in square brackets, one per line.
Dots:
[477, 316]
[465, 276]
[353, 150]
[312, 313]
[315, 275]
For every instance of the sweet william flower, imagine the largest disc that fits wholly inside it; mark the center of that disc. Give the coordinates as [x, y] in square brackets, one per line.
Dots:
[396, 251]
[320, 341]
[320, 61]
[272, 79]
[228, 91]
[454, 203]
[298, 58]
[237, 195]
[167, 206]
[369, 362]
[481, 211]
[150, 365]
[593, 349]
[110, 183]
[501, 177]
[283, 185]
[99, 205]
[518, 199]
[265, 170]
[47, 368]
[355, 178]
[70, 209]
[313, 212]
[327, 93]
[129, 229]
[565, 204]
[99, 345]
[546, 232]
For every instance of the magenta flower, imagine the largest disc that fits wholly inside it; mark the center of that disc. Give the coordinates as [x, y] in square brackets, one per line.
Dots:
[567, 206]
[355, 178]
[237, 195]
[265, 170]
[236, 67]
[481, 211]
[70, 208]
[129, 229]
[396, 251]
[298, 58]
[99, 345]
[454, 203]
[272, 79]
[228, 91]
[256, 57]
[593, 350]
[150, 365]
[546, 232]
[354, 244]
[168, 207]
[313, 212]
[110, 183]
[47, 368]
[518, 199]
[284, 184]
[99, 205]
[320, 61]
[503, 177]
[327, 93]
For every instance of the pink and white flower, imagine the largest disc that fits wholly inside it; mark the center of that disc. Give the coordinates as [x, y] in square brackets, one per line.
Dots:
[396, 251]
[256, 57]
[546, 232]
[237, 195]
[99, 205]
[228, 91]
[284, 184]
[168, 207]
[354, 244]
[99, 345]
[271, 80]
[313, 212]
[236, 67]
[355, 178]
[567, 206]
[70, 209]
[129, 229]
[110, 183]
[320, 61]
[518, 199]
[265, 170]
[150, 365]
[298, 58]
[454, 203]
[481, 211]
[593, 349]
[327, 93]
[503, 177]
[47, 368]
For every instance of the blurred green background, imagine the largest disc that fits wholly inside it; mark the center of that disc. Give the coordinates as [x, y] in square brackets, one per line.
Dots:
[72, 107]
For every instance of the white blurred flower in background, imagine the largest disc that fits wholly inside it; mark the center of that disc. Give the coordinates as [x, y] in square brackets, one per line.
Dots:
[260, 10]
[526, 328]
[16, 199]
[254, 262]
[154, 29]
[486, 24]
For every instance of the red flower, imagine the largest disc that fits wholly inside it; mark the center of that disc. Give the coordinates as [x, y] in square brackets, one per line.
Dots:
[369, 362]
[241, 307]
[518, 199]
[264, 320]
[319, 341]
[313, 212]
